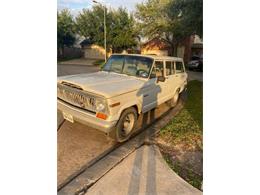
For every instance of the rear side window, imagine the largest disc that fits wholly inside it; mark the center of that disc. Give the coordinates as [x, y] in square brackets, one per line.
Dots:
[179, 67]
[169, 68]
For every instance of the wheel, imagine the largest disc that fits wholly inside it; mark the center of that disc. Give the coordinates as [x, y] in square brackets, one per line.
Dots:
[174, 100]
[126, 125]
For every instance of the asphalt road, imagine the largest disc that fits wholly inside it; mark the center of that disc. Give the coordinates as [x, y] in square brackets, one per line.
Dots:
[67, 69]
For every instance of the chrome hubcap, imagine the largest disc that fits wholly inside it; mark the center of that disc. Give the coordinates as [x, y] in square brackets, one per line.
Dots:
[128, 123]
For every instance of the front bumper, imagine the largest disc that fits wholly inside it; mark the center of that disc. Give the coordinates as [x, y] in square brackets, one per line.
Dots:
[86, 117]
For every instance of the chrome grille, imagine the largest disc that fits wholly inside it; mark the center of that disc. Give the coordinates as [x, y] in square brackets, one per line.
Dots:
[76, 97]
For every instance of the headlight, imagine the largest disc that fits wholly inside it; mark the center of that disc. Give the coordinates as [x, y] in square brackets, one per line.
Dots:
[101, 105]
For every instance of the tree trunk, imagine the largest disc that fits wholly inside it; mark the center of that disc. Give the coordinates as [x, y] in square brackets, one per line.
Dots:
[173, 49]
[176, 50]
[60, 53]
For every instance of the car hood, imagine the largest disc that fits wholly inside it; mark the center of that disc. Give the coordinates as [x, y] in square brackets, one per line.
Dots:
[107, 84]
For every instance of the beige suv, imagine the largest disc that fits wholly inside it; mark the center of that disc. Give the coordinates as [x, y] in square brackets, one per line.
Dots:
[112, 99]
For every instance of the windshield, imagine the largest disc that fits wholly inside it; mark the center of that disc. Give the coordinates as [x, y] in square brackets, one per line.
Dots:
[138, 66]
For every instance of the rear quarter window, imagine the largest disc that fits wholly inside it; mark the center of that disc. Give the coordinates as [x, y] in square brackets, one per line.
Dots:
[179, 67]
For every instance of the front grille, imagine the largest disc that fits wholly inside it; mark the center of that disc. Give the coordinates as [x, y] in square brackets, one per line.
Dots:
[76, 97]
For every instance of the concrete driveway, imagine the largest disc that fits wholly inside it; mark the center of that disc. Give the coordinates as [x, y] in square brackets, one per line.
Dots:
[143, 172]
[77, 146]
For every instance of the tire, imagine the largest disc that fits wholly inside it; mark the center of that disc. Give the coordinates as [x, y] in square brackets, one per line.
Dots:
[174, 101]
[126, 125]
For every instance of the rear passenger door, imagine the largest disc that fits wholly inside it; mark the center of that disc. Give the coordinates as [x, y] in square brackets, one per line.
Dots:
[171, 79]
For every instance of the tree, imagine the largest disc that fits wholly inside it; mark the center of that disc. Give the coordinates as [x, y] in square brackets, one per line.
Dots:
[90, 24]
[170, 20]
[65, 30]
[123, 31]
[190, 14]
[119, 27]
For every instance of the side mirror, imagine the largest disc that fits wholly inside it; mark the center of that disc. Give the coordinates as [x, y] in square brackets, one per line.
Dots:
[160, 79]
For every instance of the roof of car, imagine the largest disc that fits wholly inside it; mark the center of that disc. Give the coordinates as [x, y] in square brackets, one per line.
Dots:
[155, 57]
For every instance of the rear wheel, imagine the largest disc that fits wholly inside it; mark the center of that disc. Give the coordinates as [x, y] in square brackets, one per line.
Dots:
[173, 102]
[126, 125]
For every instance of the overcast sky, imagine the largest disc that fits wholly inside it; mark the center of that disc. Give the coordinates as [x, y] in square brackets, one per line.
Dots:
[76, 5]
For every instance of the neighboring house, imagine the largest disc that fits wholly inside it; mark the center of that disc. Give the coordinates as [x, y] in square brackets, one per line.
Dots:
[185, 50]
[91, 50]
[155, 46]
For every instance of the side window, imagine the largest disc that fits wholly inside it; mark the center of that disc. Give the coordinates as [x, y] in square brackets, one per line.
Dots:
[159, 68]
[169, 68]
[179, 67]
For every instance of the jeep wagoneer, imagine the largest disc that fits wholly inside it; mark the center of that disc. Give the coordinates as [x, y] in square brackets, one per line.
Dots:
[112, 99]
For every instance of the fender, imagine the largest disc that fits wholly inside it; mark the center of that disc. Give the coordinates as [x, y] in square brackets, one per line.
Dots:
[136, 103]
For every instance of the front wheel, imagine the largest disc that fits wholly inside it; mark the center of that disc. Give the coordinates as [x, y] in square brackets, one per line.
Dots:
[126, 124]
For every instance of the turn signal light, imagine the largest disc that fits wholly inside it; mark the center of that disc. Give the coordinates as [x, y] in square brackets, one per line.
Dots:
[101, 115]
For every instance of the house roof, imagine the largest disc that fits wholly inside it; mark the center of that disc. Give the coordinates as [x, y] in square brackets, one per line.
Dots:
[156, 43]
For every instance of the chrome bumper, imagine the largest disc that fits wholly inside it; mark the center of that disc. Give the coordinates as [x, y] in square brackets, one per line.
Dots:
[86, 117]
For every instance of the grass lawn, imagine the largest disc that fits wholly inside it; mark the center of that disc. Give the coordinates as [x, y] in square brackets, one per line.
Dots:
[181, 140]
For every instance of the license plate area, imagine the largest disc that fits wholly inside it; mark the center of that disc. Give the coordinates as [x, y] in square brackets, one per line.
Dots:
[68, 117]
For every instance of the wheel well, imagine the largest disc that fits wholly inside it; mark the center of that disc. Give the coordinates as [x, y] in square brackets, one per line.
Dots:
[133, 106]
[136, 108]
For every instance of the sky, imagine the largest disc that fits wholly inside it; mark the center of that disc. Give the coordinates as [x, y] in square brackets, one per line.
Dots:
[76, 5]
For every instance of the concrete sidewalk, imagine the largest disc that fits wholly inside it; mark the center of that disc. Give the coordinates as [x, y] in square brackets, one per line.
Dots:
[142, 172]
